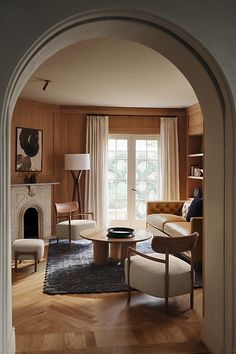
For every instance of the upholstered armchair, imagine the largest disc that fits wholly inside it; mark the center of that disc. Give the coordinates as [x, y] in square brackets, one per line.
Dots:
[162, 274]
[70, 222]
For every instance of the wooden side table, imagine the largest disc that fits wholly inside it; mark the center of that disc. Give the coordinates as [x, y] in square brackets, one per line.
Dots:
[105, 247]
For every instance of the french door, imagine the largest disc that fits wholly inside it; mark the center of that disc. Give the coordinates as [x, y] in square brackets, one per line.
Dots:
[133, 178]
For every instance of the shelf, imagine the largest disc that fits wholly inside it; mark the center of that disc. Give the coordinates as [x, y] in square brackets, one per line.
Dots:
[200, 154]
[193, 177]
[33, 184]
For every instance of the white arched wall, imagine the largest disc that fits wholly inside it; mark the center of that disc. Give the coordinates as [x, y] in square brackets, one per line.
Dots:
[209, 86]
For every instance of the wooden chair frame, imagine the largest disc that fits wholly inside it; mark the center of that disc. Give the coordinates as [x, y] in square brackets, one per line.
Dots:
[68, 211]
[167, 246]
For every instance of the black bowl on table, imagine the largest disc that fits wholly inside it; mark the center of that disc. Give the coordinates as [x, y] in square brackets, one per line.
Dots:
[120, 232]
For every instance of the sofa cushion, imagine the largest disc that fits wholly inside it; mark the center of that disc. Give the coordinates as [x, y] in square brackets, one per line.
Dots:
[185, 208]
[176, 229]
[159, 220]
[77, 225]
[195, 208]
[149, 276]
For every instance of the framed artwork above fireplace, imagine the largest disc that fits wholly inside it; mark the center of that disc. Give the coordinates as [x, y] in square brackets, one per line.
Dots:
[29, 149]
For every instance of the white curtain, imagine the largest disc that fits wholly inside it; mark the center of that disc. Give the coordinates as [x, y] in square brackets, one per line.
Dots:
[96, 185]
[169, 159]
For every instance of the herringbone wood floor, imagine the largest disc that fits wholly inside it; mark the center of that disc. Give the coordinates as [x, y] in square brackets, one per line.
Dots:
[100, 323]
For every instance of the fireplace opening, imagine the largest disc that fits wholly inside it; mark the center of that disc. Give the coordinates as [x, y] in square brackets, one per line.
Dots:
[31, 223]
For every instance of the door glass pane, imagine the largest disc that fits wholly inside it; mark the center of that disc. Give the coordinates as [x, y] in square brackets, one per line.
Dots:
[147, 182]
[117, 178]
[140, 209]
[140, 170]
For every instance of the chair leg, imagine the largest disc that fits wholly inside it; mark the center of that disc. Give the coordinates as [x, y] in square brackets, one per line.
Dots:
[57, 239]
[167, 304]
[15, 264]
[128, 279]
[129, 293]
[35, 261]
[192, 299]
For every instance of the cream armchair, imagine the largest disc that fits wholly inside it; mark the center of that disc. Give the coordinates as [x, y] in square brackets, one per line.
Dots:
[162, 274]
[70, 222]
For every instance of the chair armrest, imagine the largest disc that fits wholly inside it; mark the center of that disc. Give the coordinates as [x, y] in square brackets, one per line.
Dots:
[85, 213]
[133, 250]
[165, 207]
[196, 224]
[63, 216]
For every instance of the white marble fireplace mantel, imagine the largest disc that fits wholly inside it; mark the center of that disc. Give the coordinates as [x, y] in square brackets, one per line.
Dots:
[31, 195]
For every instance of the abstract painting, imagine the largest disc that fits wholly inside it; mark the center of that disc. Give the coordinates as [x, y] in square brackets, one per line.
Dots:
[29, 145]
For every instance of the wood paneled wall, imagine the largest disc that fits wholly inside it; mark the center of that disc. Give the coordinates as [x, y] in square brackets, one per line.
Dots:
[195, 120]
[64, 131]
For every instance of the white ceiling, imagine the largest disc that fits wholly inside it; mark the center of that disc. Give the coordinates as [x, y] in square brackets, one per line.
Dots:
[110, 72]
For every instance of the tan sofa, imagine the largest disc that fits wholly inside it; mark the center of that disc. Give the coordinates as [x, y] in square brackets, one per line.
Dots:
[169, 217]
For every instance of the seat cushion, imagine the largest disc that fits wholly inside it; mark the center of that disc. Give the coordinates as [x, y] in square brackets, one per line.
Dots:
[62, 228]
[149, 276]
[28, 245]
[159, 220]
[185, 208]
[176, 229]
[195, 209]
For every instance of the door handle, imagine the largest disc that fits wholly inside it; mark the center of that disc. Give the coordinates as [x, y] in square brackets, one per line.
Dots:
[135, 190]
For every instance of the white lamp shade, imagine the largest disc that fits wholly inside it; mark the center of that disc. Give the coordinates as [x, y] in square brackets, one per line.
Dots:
[77, 162]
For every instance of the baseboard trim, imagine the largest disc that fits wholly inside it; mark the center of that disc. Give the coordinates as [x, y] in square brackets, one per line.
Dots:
[211, 339]
[12, 342]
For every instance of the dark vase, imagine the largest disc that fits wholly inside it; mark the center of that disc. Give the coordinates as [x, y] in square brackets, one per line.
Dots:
[27, 179]
[33, 179]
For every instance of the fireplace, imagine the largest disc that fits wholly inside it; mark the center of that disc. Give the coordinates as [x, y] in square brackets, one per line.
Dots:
[31, 223]
[31, 210]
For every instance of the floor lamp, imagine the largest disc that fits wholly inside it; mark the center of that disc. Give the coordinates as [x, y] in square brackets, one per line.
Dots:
[76, 164]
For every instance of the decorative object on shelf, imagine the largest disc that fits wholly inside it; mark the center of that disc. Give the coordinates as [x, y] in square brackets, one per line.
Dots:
[31, 176]
[29, 145]
[197, 172]
[27, 178]
[192, 168]
[76, 164]
[120, 232]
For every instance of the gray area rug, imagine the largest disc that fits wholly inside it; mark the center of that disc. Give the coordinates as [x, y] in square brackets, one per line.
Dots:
[71, 270]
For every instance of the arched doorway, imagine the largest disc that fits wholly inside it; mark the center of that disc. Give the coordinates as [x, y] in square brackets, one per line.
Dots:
[209, 86]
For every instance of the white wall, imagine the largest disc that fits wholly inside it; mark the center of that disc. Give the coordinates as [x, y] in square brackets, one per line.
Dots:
[212, 25]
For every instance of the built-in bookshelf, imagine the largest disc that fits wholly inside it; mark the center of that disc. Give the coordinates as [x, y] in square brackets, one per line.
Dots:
[195, 168]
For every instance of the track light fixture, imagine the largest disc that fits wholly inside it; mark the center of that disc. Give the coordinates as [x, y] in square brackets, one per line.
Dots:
[46, 83]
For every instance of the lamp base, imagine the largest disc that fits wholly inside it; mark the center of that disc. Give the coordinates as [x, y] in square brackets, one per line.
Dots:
[76, 195]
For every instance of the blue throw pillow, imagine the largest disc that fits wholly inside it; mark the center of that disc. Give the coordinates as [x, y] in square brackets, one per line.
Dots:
[195, 208]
